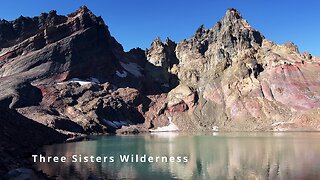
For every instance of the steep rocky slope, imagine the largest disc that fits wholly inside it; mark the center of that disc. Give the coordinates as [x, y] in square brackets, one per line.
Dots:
[240, 80]
[48, 64]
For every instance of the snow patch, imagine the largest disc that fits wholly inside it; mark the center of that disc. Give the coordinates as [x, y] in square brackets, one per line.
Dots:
[169, 128]
[215, 134]
[132, 68]
[215, 128]
[82, 82]
[115, 124]
[122, 75]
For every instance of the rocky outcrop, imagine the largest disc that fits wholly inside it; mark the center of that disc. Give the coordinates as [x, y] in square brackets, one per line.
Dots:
[210, 51]
[18, 95]
[50, 48]
[181, 98]
[38, 54]
[162, 61]
[86, 108]
[242, 80]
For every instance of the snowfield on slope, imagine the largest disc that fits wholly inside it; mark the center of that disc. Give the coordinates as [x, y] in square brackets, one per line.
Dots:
[132, 68]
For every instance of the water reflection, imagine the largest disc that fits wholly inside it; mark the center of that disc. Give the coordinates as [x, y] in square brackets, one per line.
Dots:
[222, 156]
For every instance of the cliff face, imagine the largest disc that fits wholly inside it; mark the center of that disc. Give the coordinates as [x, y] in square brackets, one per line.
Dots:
[49, 63]
[239, 80]
[53, 48]
[69, 73]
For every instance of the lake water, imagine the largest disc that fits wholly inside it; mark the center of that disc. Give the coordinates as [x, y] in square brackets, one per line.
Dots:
[294, 155]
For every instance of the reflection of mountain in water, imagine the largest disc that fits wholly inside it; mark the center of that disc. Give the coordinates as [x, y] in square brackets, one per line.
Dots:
[289, 156]
[225, 156]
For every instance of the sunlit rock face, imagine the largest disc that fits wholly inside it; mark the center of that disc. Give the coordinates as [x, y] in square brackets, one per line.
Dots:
[244, 81]
[69, 73]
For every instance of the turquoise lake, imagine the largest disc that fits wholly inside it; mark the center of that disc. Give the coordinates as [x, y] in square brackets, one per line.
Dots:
[268, 155]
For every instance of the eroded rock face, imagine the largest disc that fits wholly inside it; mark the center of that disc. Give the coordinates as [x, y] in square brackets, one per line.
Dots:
[20, 95]
[55, 45]
[243, 81]
[89, 108]
[181, 99]
[69, 73]
[53, 48]
[161, 63]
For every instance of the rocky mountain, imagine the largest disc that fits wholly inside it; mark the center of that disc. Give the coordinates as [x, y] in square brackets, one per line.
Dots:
[47, 61]
[68, 73]
[232, 78]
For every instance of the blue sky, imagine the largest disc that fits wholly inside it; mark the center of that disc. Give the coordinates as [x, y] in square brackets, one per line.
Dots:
[135, 23]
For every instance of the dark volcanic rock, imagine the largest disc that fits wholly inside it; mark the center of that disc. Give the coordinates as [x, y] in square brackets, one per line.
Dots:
[51, 48]
[21, 173]
[20, 137]
[87, 108]
[20, 95]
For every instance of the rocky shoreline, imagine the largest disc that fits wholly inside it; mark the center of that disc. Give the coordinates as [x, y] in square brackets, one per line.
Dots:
[66, 76]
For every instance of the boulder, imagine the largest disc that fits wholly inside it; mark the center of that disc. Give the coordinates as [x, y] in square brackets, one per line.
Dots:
[181, 98]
